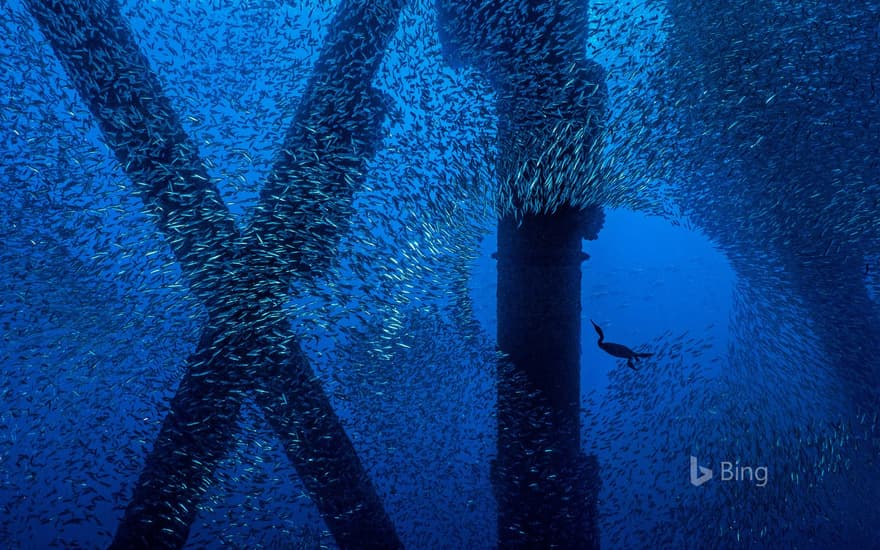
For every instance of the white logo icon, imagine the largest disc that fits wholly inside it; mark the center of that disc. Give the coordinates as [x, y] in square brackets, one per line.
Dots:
[699, 474]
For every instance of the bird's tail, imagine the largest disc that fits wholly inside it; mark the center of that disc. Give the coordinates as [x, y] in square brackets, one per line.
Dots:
[643, 355]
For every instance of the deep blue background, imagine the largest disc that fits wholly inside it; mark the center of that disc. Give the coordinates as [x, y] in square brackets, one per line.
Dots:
[97, 322]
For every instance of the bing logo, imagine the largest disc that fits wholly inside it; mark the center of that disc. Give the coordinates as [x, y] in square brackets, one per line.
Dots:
[729, 471]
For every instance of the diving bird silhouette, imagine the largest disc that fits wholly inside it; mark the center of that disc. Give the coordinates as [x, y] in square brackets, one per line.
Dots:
[618, 350]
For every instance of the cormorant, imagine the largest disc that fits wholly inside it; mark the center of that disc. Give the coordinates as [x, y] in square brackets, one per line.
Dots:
[618, 350]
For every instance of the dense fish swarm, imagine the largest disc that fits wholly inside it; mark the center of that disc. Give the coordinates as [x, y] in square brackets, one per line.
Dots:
[79, 243]
[755, 122]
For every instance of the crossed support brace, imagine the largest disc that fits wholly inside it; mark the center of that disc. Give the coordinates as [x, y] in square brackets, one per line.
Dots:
[247, 349]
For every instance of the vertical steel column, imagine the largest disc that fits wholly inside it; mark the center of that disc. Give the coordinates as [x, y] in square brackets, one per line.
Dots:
[550, 102]
[546, 489]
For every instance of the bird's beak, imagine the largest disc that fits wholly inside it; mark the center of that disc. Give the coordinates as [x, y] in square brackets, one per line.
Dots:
[595, 326]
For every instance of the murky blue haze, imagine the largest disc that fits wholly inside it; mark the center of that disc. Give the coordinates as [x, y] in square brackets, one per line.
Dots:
[736, 169]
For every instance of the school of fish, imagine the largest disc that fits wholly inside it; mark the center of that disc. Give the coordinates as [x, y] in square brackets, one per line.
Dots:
[755, 123]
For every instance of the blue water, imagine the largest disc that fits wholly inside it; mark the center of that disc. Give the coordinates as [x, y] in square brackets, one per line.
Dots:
[745, 265]
[644, 276]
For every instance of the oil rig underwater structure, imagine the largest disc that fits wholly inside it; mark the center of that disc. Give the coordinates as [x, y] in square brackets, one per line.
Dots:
[551, 105]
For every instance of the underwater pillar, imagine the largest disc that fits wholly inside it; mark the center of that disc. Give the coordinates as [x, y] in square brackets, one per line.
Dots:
[546, 489]
[550, 102]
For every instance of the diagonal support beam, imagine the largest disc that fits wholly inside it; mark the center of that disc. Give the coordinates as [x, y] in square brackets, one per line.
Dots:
[247, 347]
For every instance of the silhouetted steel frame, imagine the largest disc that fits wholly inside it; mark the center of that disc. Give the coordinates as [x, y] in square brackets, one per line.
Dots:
[241, 279]
[534, 55]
